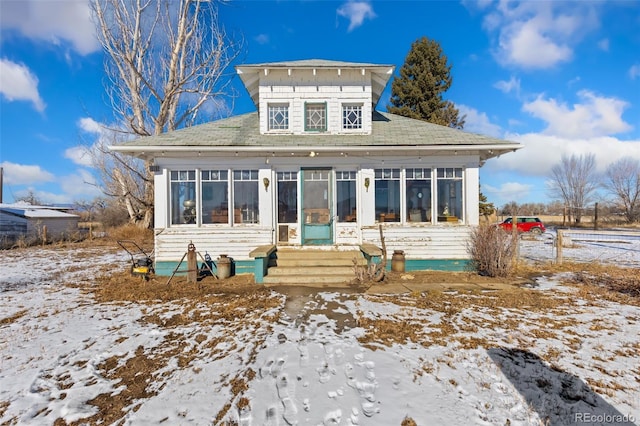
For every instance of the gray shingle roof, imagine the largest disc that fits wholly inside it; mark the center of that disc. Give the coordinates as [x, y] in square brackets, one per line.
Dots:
[389, 130]
[315, 63]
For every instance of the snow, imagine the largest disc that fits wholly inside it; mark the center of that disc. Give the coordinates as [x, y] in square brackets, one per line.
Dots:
[306, 360]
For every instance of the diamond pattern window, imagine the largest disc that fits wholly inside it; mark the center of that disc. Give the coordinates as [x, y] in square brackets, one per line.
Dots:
[351, 117]
[278, 117]
[315, 117]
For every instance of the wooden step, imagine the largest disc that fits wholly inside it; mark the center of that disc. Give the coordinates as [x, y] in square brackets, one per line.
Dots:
[315, 267]
[311, 271]
[309, 280]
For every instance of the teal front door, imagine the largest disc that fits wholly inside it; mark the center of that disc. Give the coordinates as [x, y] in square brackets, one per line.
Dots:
[317, 215]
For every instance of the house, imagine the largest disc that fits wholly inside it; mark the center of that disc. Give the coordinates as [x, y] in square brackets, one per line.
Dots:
[316, 166]
[22, 220]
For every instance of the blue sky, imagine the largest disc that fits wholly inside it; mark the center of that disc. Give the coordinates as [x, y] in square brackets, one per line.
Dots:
[561, 77]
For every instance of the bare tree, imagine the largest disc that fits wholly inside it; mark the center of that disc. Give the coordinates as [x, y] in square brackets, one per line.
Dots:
[622, 180]
[167, 62]
[574, 180]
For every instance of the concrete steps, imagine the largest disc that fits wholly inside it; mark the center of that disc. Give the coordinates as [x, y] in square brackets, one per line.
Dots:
[313, 267]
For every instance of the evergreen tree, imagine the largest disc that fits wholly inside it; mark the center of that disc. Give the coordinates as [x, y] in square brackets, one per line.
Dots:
[424, 77]
[486, 208]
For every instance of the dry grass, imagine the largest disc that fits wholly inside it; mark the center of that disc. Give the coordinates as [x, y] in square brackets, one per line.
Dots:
[14, 317]
[122, 286]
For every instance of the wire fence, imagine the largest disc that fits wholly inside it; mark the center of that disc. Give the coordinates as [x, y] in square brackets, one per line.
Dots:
[619, 246]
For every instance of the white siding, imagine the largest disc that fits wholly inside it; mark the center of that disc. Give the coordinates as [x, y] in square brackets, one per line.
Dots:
[237, 242]
[422, 242]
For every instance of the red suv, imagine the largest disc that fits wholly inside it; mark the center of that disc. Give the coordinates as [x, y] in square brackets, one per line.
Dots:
[525, 224]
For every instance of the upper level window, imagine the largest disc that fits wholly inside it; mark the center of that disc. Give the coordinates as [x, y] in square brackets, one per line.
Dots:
[278, 116]
[315, 117]
[351, 117]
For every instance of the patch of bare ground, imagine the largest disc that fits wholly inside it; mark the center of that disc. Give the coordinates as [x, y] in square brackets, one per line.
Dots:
[185, 310]
[462, 313]
[597, 281]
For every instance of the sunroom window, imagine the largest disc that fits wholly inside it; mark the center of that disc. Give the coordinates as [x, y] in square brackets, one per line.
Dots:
[315, 117]
[245, 196]
[287, 197]
[418, 195]
[387, 186]
[278, 116]
[183, 197]
[449, 187]
[352, 117]
[215, 196]
[346, 195]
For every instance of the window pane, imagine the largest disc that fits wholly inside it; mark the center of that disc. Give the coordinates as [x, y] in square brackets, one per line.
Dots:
[387, 195]
[418, 195]
[245, 196]
[352, 117]
[287, 198]
[450, 194]
[278, 117]
[215, 201]
[316, 117]
[183, 197]
[183, 203]
[346, 200]
[346, 195]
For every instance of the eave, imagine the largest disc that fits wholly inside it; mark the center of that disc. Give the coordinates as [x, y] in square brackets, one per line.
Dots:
[485, 152]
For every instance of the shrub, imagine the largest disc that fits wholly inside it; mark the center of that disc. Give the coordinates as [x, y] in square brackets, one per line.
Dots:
[492, 251]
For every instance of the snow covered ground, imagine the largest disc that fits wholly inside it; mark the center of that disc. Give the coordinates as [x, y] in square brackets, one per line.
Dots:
[552, 355]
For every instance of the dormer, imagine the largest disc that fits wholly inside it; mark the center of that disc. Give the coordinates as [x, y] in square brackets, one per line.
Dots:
[315, 96]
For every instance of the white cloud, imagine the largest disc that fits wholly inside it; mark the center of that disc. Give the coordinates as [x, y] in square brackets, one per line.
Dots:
[53, 22]
[541, 152]
[528, 46]
[534, 35]
[507, 191]
[356, 12]
[24, 174]
[513, 85]
[79, 185]
[18, 83]
[80, 155]
[596, 116]
[478, 122]
[89, 125]
[634, 71]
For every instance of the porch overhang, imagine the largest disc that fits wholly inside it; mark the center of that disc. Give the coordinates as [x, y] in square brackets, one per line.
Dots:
[148, 152]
